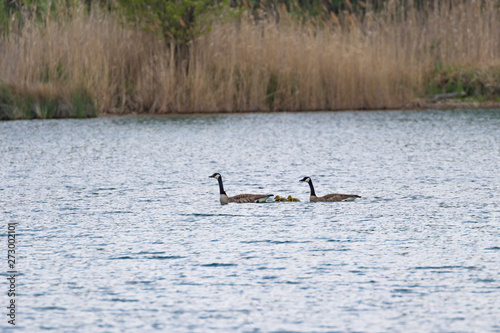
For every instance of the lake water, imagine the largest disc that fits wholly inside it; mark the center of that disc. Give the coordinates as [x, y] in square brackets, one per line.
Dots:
[121, 230]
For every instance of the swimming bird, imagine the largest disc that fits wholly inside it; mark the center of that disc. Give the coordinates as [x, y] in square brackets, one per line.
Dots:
[329, 197]
[240, 198]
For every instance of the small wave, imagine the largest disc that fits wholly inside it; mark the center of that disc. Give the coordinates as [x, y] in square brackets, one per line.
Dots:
[327, 250]
[357, 272]
[341, 240]
[68, 208]
[216, 264]
[139, 282]
[117, 212]
[447, 267]
[147, 252]
[206, 214]
[484, 280]
[124, 257]
[270, 268]
[151, 257]
[403, 291]
[50, 308]
[249, 257]
[164, 257]
[274, 242]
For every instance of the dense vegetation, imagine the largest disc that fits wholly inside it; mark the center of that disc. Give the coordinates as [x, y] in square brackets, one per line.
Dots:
[74, 58]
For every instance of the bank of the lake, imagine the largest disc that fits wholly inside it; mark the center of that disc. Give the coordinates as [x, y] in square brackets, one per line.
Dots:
[92, 63]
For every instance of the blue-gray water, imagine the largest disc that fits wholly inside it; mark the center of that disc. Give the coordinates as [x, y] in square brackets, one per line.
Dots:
[120, 228]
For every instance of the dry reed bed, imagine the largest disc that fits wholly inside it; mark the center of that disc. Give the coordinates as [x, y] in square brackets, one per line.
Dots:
[382, 61]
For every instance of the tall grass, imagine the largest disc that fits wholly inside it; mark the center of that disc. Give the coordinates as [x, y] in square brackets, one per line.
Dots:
[383, 60]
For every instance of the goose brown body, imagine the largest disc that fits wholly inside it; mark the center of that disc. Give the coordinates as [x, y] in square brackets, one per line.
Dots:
[240, 198]
[334, 197]
[247, 198]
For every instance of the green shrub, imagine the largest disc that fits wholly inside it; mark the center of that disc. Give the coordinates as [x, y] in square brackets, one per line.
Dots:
[480, 84]
[23, 105]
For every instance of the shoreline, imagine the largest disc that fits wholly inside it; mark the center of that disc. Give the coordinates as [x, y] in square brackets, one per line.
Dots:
[415, 106]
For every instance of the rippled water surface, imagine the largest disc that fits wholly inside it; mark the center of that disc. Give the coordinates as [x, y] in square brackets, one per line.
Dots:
[120, 228]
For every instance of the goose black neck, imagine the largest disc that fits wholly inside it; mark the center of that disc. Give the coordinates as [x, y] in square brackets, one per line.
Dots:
[312, 187]
[221, 187]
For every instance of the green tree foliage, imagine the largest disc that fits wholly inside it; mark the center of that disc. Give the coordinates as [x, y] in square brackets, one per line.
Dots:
[14, 13]
[317, 7]
[177, 21]
[7, 8]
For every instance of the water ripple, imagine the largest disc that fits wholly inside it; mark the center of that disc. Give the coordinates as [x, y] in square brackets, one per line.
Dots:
[121, 230]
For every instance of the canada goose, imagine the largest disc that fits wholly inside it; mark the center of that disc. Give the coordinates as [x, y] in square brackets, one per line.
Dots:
[329, 197]
[240, 198]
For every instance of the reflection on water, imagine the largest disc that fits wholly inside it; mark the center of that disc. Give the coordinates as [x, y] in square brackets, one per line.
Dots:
[120, 228]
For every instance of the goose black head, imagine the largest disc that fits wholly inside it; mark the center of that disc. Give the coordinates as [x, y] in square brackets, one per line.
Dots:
[305, 179]
[215, 175]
